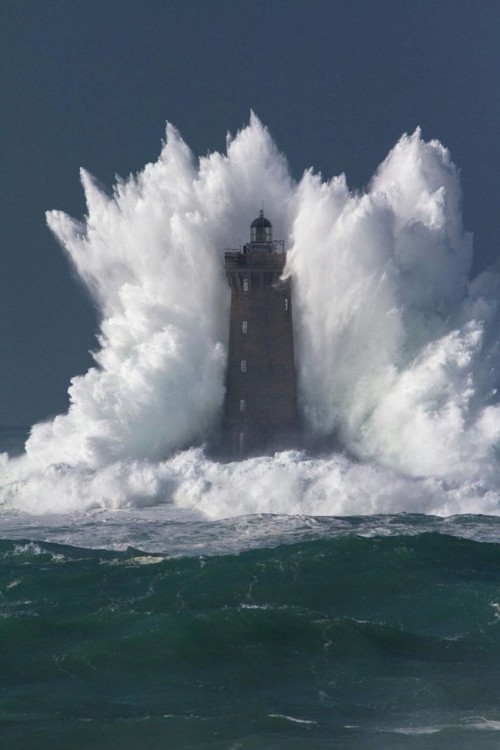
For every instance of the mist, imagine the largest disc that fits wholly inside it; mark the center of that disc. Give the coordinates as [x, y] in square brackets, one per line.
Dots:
[396, 348]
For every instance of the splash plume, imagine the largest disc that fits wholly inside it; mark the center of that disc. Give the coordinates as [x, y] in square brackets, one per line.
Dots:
[397, 353]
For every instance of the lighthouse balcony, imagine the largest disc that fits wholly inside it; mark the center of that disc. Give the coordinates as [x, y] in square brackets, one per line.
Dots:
[254, 257]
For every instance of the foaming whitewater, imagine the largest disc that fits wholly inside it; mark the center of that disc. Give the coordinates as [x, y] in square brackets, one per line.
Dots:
[397, 351]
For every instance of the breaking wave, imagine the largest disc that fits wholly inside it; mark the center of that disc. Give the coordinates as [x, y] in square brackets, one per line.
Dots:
[397, 351]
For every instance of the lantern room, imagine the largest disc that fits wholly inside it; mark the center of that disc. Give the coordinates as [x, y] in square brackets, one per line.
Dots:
[261, 230]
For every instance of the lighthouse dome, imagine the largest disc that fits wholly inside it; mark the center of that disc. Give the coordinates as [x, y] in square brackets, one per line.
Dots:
[260, 221]
[261, 229]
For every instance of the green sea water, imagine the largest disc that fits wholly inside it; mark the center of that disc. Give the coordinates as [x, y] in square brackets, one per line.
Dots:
[342, 641]
[154, 629]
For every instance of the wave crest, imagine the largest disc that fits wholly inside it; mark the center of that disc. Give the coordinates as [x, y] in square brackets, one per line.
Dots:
[397, 354]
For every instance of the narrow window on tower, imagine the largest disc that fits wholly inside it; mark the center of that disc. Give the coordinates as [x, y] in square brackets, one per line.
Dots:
[286, 303]
[243, 365]
[244, 326]
[245, 285]
[242, 404]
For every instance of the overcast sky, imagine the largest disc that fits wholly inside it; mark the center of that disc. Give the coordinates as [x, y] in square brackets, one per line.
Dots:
[91, 83]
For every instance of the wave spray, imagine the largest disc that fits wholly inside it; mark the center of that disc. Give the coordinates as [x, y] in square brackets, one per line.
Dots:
[397, 352]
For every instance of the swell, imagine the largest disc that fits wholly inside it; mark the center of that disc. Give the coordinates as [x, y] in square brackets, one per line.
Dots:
[430, 583]
[352, 639]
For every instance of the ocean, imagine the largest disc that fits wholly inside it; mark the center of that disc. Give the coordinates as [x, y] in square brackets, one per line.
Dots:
[156, 628]
[153, 597]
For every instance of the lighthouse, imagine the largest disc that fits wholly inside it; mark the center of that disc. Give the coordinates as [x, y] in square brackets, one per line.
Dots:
[260, 407]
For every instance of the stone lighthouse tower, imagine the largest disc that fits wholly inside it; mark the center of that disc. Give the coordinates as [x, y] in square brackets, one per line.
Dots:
[260, 411]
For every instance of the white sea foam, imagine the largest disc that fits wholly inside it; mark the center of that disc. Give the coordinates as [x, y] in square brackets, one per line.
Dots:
[397, 352]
